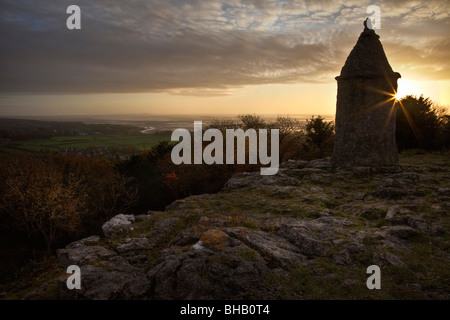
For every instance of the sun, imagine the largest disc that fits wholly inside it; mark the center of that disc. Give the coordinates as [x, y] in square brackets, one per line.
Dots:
[406, 88]
[402, 90]
[399, 96]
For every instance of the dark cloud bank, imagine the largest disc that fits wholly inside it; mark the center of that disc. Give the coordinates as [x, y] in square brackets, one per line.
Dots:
[152, 46]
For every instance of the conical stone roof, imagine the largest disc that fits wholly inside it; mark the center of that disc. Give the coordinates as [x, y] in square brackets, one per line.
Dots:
[365, 111]
[367, 59]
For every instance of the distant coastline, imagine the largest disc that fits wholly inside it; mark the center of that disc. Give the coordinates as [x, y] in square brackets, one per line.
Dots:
[154, 123]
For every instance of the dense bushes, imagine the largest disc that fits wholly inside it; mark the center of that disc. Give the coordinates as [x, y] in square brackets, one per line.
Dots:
[421, 124]
[144, 168]
[298, 139]
[55, 198]
[159, 182]
[319, 138]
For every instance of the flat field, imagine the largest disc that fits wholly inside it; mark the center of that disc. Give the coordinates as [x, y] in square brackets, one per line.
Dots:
[138, 141]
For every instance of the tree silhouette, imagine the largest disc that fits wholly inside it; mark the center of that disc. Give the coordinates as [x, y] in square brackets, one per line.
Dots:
[319, 137]
[420, 124]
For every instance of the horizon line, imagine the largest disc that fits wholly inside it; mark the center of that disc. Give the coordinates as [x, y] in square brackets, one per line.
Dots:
[163, 115]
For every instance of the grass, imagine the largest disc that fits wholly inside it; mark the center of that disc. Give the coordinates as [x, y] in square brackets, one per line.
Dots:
[248, 254]
[427, 264]
[374, 214]
[369, 241]
[34, 277]
[219, 258]
[381, 223]
[424, 277]
[231, 202]
[238, 220]
[322, 280]
[139, 141]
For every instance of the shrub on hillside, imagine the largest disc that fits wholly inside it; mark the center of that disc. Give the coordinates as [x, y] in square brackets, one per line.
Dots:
[319, 138]
[421, 124]
[55, 197]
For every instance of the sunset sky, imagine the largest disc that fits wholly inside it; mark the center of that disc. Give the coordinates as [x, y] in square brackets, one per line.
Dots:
[207, 57]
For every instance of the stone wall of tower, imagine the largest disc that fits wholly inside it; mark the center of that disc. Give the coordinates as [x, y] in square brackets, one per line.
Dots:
[365, 110]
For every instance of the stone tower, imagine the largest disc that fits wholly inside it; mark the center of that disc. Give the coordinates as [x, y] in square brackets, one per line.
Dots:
[365, 110]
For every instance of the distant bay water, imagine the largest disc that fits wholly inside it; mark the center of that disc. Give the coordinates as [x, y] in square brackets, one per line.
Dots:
[154, 123]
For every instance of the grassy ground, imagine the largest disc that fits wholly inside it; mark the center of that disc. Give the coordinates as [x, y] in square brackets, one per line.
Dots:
[425, 273]
[139, 141]
[34, 277]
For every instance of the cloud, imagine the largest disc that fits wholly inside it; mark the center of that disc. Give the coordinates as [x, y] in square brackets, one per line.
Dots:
[429, 63]
[203, 47]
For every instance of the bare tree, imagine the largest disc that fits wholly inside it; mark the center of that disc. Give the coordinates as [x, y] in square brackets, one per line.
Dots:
[290, 135]
[252, 121]
[41, 198]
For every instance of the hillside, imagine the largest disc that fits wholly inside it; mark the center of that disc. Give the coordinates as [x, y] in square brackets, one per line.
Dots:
[310, 232]
[100, 139]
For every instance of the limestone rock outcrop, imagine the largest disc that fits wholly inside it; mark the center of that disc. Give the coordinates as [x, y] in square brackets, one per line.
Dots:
[309, 226]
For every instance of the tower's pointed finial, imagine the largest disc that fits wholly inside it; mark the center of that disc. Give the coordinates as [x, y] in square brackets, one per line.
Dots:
[368, 25]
